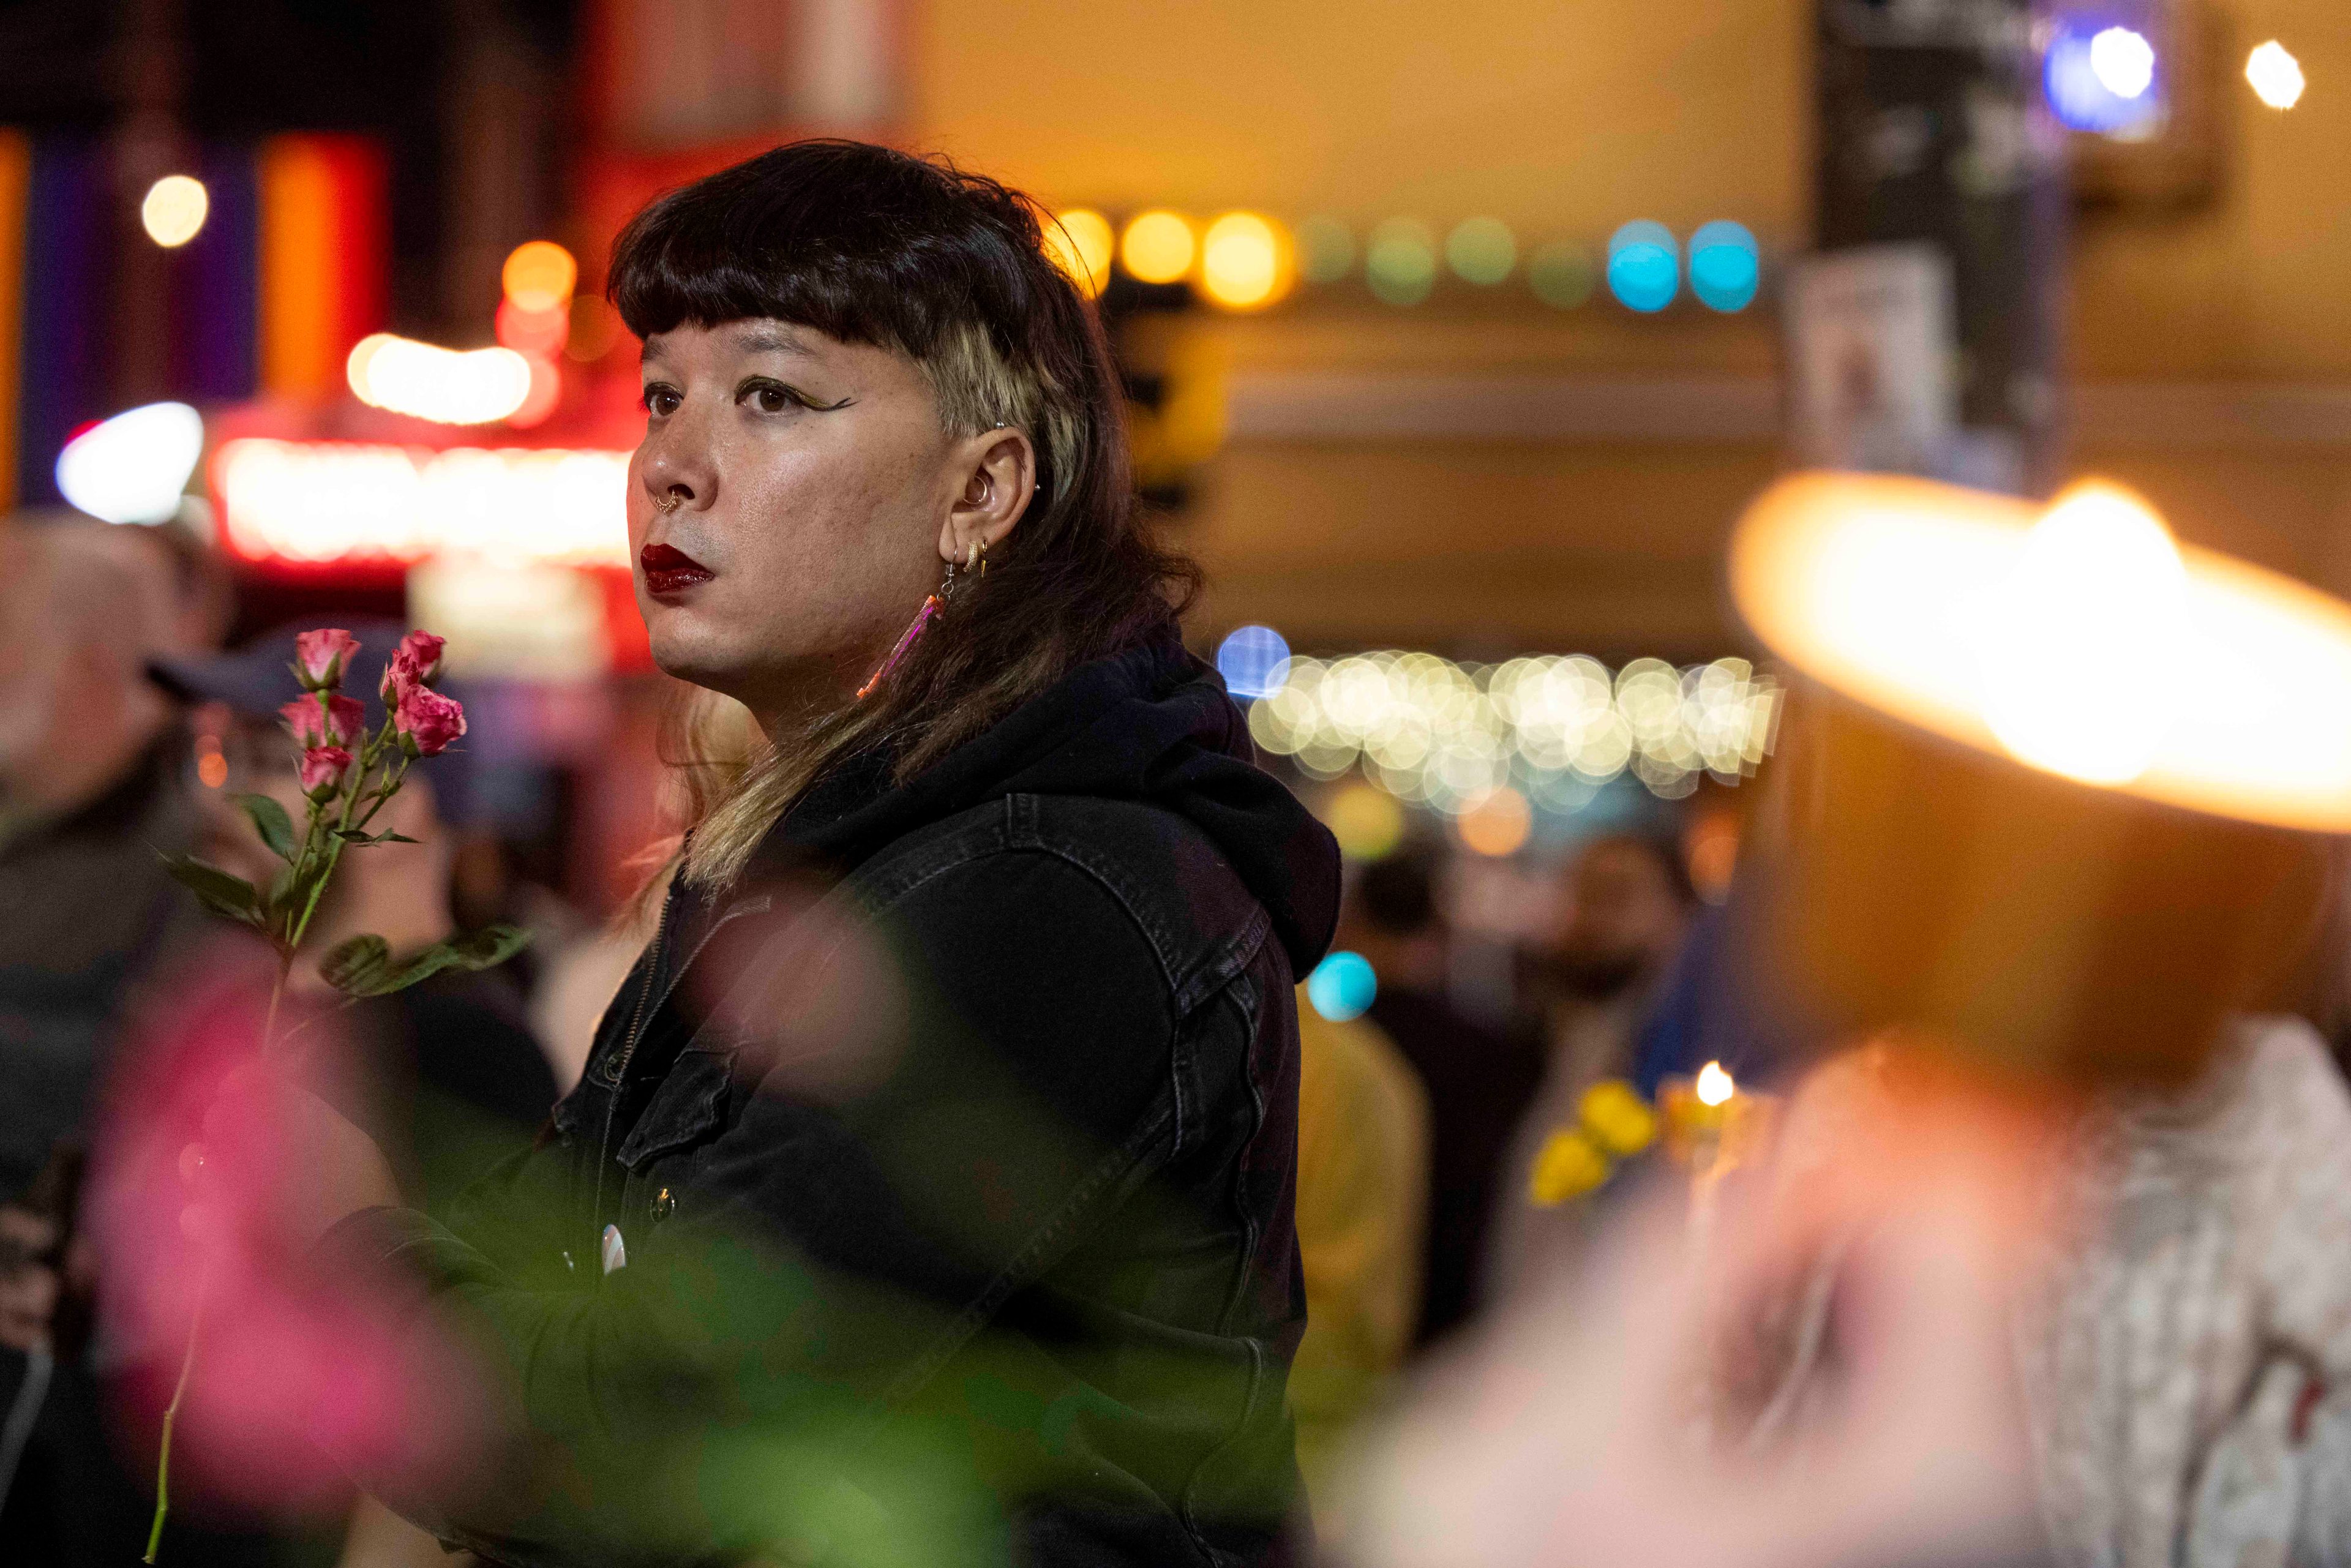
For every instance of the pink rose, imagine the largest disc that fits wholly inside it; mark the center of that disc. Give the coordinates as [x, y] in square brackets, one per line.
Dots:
[421, 651]
[320, 657]
[427, 721]
[323, 768]
[413, 663]
[339, 726]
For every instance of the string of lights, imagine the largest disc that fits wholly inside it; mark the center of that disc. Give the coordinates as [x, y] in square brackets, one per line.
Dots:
[1450, 736]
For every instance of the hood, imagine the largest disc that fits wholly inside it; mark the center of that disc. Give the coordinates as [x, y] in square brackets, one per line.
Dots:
[1152, 724]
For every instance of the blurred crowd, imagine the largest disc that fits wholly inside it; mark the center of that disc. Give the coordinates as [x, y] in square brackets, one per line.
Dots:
[2180, 1360]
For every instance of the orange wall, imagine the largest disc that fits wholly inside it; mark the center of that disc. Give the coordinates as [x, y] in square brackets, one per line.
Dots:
[1564, 118]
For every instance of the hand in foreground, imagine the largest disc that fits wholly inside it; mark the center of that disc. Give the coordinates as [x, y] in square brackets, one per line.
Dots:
[1572, 1432]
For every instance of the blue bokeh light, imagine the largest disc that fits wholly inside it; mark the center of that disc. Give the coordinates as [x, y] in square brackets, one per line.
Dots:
[1724, 271]
[2080, 99]
[1341, 987]
[1254, 661]
[1645, 268]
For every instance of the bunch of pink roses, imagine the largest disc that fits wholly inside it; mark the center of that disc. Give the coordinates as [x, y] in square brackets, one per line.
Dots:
[348, 773]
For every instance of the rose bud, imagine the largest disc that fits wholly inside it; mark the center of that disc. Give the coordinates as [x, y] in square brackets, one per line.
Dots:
[320, 657]
[323, 768]
[427, 722]
[421, 653]
[338, 726]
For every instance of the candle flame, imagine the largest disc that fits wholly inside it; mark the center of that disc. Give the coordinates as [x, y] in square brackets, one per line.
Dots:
[1714, 1084]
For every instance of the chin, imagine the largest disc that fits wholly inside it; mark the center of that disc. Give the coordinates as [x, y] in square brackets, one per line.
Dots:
[686, 646]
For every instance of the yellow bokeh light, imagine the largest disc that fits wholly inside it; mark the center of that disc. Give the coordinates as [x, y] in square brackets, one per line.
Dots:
[1368, 822]
[1247, 262]
[1498, 824]
[424, 380]
[175, 210]
[2096, 602]
[1158, 247]
[1080, 242]
[539, 275]
[2275, 75]
[1714, 1084]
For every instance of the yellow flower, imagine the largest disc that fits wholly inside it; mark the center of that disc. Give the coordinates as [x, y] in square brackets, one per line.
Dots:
[1568, 1166]
[1618, 1119]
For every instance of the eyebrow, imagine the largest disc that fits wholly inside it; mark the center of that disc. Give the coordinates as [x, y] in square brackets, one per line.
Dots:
[763, 338]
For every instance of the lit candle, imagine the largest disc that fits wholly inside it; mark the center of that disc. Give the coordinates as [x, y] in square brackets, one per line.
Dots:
[2053, 789]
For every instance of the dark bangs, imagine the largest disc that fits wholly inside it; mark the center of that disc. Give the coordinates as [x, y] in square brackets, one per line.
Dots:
[862, 243]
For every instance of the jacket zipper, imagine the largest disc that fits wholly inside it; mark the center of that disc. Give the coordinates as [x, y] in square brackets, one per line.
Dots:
[637, 1025]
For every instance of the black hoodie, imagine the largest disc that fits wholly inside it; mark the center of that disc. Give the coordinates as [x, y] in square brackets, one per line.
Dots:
[1035, 1242]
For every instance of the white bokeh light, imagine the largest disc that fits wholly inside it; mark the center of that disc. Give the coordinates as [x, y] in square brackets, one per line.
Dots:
[135, 467]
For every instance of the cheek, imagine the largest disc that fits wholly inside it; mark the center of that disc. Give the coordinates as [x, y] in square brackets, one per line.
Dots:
[832, 528]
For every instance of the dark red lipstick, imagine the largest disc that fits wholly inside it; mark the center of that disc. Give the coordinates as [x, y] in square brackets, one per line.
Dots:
[669, 569]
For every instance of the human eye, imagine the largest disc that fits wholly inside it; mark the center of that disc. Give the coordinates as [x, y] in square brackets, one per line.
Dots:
[773, 396]
[659, 399]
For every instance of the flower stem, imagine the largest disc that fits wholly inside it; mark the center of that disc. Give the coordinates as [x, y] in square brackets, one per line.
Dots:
[196, 1315]
[171, 1415]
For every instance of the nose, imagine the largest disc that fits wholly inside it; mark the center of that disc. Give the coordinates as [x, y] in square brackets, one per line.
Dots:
[676, 474]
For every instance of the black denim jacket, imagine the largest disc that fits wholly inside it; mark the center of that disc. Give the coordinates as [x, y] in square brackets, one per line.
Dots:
[945, 1215]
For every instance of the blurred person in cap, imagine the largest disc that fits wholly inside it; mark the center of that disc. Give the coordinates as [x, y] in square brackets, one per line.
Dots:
[1363, 1202]
[90, 798]
[455, 1078]
[90, 791]
[1478, 1082]
[928, 1195]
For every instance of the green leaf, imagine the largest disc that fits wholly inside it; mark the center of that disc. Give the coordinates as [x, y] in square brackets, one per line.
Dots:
[232, 897]
[489, 946]
[350, 965]
[475, 950]
[395, 839]
[353, 836]
[270, 820]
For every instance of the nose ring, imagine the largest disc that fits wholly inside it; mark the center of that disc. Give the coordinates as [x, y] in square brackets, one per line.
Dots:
[671, 502]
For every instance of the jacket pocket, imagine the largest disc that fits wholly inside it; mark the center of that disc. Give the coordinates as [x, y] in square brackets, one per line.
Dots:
[689, 1107]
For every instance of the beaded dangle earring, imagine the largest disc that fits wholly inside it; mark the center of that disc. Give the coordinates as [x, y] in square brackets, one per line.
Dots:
[932, 607]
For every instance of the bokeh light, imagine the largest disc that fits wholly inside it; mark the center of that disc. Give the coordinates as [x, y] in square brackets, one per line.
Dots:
[1367, 821]
[540, 276]
[1715, 1086]
[1644, 266]
[444, 385]
[1563, 274]
[1724, 269]
[2096, 601]
[173, 211]
[546, 392]
[1158, 247]
[532, 331]
[2275, 75]
[2080, 75]
[1081, 243]
[1435, 733]
[1400, 263]
[595, 331]
[1326, 250]
[1482, 251]
[2123, 62]
[1246, 262]
[1342, 987]
[133, 467]
[1496, 824]
[1254, 661]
